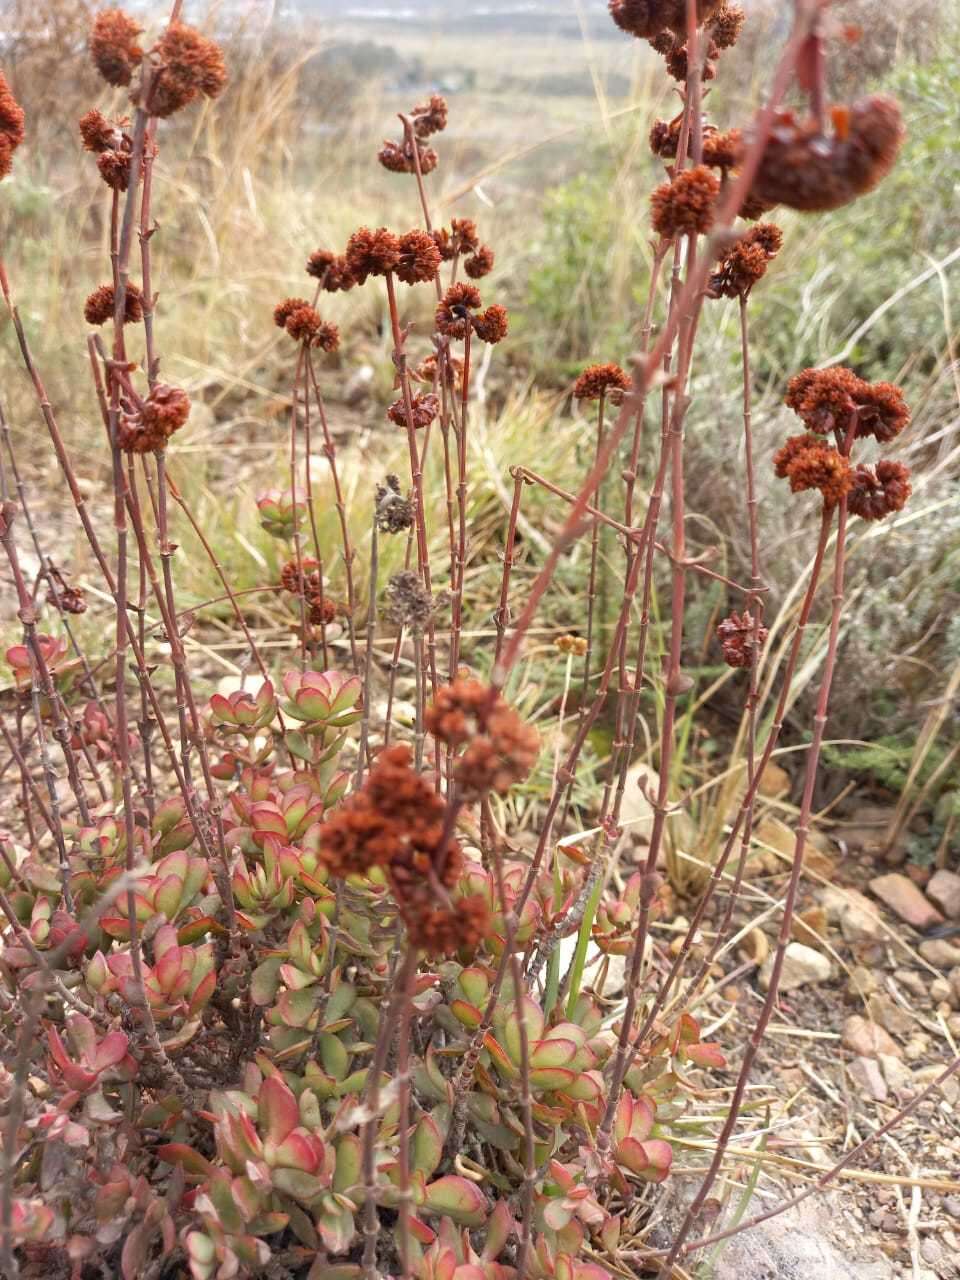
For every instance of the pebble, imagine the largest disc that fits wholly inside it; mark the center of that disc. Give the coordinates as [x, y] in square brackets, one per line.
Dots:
[867, 1039]
[898, 1076]
[861, 983]
[858, 917]
[940, 990]
[944, 890]
[952, 1205]
[901, 895]
[940, 953]
[917, 1047]
[890, 1016]
[868, 1077]
[802, 966]
[912, 980]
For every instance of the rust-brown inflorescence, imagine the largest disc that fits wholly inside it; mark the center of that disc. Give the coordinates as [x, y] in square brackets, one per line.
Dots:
[113, 46]
[98, 308]
[424, 405]
[746, 261]
[879, 491]
[600, 380]
[741, 639]
[371, 253]
[164, 411]
[647, 18]
[685, 204]
[191, 65]
[501, 748]
[826, 399]
[331, 270]
[808, 462]
[11, 126]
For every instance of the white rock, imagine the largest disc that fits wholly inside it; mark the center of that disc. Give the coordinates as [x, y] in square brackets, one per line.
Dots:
[802, 966]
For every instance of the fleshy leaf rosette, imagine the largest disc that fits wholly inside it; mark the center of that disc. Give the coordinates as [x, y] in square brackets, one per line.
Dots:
[322, 699]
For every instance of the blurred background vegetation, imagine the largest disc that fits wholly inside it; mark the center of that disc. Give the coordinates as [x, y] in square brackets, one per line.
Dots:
[547, 149]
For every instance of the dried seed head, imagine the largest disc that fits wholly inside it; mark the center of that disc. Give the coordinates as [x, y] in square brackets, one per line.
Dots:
[825, 399]
[164, 411]
[569, 644]
[726, 25]
[394, 512]
[453, 315]
[685, 205]
[113, 46]
[491, 325]
[409, 603]
[419, 258]
[11, 126]
[678, 66]
[480, 262]
[879, 491]
[322, 609]
[647, 18]
[284, 310]
[97, 133]
[810, 463]
[443, 931]
[598, 380]
[430, 117]
[98, 308]
[331, 270]
[741, 639]
[371, 253]
[192, 65]
[399, 157]
[425, 408]
[501, 747]
[803, 168]
[114, 169]
[301, 579]
[304, 324]
[745, 262]
[882, 411]
[428, 370]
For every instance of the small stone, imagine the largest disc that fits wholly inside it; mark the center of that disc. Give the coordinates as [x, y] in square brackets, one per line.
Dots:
[861, 983]
[944, 890]
[940, 990]
[951, 1205]
[868, 827]
[890, 1016]
[858, 918]
[940, 953]
[897, 1076]
[802, 966]
[810, 927]
[867, 1039]
[955, 987]
[931, 1251]
[902, 896]
[917, 1047]
[866, 1074]
[912, 980]
[890, 1223]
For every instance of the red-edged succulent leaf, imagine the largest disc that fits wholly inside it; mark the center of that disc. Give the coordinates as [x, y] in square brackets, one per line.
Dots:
[190, 1161]
[457, 1198]
[277, 1111]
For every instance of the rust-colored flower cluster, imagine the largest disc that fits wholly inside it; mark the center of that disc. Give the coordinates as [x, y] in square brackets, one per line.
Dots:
[424, 408]
[419, 258]
[600, 380]
[741, 639]
[462, 240]
[808, 462]
[394, 512]
[746, 261]
[306, 580]
[428, 370]
[11, 126]
[879, 491]
[191, 65]
[397, 821]
[825, 400]
[112, 146]
[372, 253]
[98, 308]
[457, 312]
[720, 148]
[575, 646]
[113, 46]
[410, 154]
[647, 18]
[685, 204]
[304, 324]
[164, 411]
[501, 748]
[331, 270]
[812, 171]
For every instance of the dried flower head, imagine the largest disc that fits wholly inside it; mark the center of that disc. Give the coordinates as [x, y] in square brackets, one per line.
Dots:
[97, 133]
[430, 117]
[479, 263]
[301, 579]
[808, 170]
[305, 324]
[443, 931]
[742, 639]
[599, 380]
[11, 126]
[409, 603]
[98, 308]
[322, 610]
[371, 253]
[331, 270]
[647, 18]
[284, 310]
[677, 63]
[424, 406]
[685, 205]
[491, 325]
[753, 207]
[501, 747]
[810, 463]
[164, 411]
[399, 157]
[454, 314]
[881, 411]
[745, 262]
[878, 492]
[726, 25]
[419, 258]
[569, 644]
[394, 512]
[114, 169]
[192, 64]
[428, 370]
[825, 399]
[113, 46]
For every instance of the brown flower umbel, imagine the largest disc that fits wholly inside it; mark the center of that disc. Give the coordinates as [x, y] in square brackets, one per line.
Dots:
[491, 325]
[113, 46]
[825, 399]
[98, 308]
[462, 238]
[454, 314]
[647, 18]
[409, 603]
[741, 647]
[686, 204]
[430, 117]
[399, 157]
[394, 512]
[425, 408]
[678, 66]
[810, 463]
[598, 380]
[726, 25]
[114, 169]
[502, 748]
[746, 261]
[192, 65]
[302, 578]
[443, 931]
[419, 258]
[480, 263]
[805, 169]
[878, 492]
[11, 126]
[372, 253]
[305, 324]
[331, 270]
[428, 370]
[322, 610]
[164, 411]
